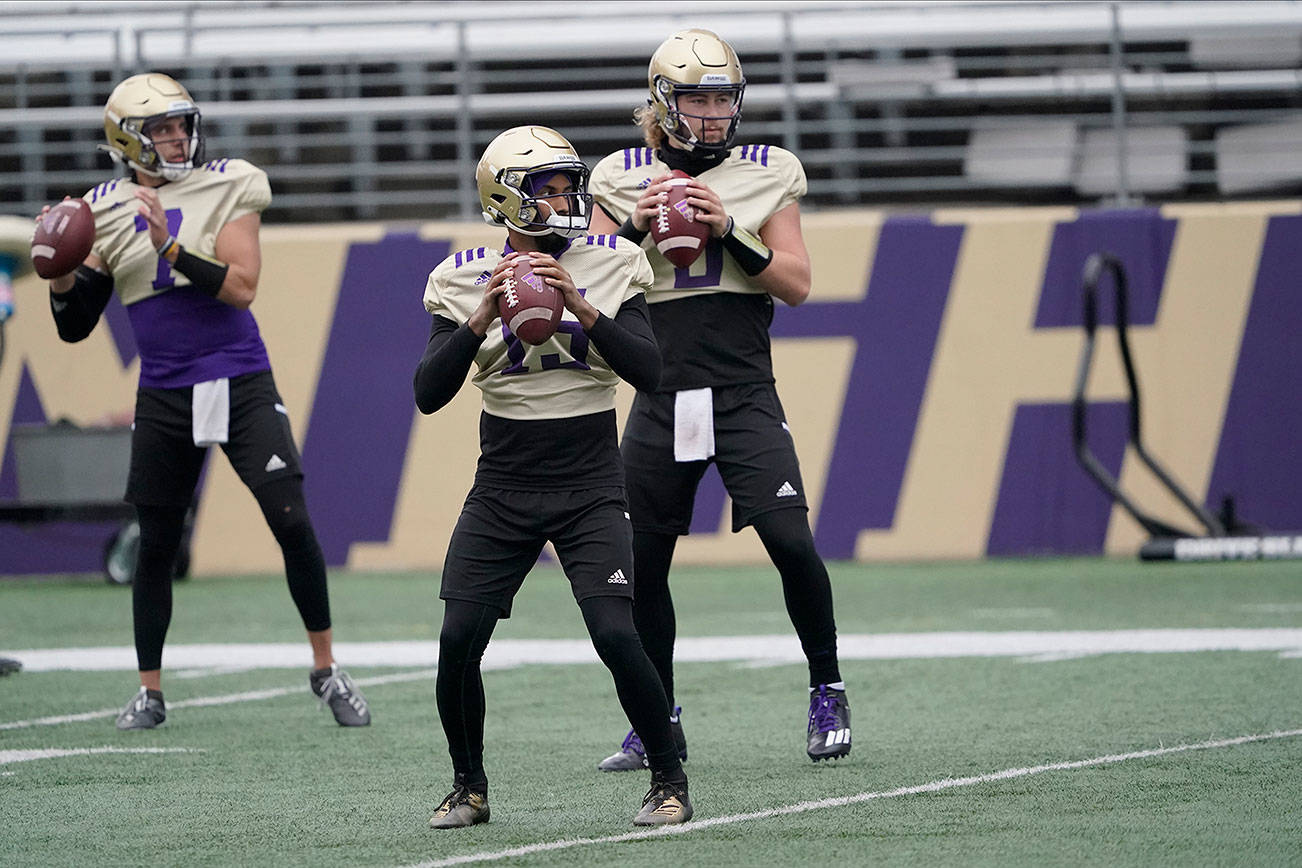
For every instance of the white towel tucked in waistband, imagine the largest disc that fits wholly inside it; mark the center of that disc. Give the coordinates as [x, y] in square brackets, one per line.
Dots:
[211, 411]
[693, 425]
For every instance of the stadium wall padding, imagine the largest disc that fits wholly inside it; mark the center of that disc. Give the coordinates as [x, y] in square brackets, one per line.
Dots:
[927, 382]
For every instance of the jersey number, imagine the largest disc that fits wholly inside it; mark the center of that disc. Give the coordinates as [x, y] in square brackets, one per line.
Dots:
[713, 259]
[516, 349]
[164, 279]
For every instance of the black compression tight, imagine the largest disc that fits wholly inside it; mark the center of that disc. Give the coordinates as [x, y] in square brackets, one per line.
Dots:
[459, 688]
[161, 529]
[805, 587]
[286, 513]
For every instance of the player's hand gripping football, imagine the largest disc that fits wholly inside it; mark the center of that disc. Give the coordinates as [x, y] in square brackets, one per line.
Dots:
[545, 266]
[63, 282]
[708, 205]
[486, 314]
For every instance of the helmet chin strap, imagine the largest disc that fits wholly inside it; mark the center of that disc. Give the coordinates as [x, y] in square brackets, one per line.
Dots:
[552, 243]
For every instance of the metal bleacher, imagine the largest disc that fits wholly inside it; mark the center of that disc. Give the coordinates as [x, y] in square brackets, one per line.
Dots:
[379, 110]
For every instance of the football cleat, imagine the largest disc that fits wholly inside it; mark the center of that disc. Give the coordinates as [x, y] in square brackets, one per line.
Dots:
[829, 724]
[460, 808]
[337, 691]
[665, 803]
[632, 755]
[143, 711]
[8, 665]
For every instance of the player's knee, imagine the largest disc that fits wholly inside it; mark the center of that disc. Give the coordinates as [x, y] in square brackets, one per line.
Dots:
[290, 526]
[615, 642]
[786, 536]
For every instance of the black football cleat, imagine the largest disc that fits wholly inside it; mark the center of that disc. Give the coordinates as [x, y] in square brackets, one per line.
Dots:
[337, 691]
[829, 724]
[460, 808]
[8, 665]
[143, 711]
[632, 755]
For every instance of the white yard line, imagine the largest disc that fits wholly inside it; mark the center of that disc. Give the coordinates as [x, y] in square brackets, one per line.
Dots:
[772, 649]
[22, 756]
[225, 699]
[859, 798]
[1039, 646]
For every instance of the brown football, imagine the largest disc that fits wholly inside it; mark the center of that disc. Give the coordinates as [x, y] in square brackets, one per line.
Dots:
[530, 306]
[677, 234]
[63, 238]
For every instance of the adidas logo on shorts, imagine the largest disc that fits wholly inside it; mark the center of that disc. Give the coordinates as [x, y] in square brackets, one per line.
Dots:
[787, 490]
[275, 462]
[617, 578]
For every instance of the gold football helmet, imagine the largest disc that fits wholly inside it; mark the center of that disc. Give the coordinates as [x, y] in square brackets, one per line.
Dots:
[693, 60]
[128, 114]
[508, 175]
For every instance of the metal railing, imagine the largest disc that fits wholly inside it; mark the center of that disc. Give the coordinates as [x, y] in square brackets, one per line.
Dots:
[378, 111]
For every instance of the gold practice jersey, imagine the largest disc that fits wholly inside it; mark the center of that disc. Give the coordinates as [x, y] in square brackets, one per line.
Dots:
[565, 376]
[184, 336]
[197, 207]
[711, 320]
[754, 182]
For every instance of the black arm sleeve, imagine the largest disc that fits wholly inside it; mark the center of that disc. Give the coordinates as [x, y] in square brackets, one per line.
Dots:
[443, 367]
[628, 344]
[77, 311]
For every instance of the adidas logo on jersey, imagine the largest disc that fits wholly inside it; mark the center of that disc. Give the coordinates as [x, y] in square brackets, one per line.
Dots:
[787, 491]
[617, 578]
[643, 184]
[483, 277]
[275, 462]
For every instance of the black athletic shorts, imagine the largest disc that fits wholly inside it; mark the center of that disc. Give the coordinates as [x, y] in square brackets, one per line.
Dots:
[501, 532]
[165, 463]
[753, 450]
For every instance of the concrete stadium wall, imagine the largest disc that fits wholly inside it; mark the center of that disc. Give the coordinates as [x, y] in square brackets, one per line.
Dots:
[927, 383]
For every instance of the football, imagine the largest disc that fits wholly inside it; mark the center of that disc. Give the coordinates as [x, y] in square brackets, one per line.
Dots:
[63, 238]
[675, 231]
[530, 306]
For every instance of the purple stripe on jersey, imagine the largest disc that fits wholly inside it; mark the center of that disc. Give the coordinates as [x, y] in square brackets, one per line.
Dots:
[764, 159]
[187, 337]
[610, 241]
[628, 159]
[456, 260]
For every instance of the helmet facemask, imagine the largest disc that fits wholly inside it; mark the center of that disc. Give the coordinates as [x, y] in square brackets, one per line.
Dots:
[537, 214]
[671, 116]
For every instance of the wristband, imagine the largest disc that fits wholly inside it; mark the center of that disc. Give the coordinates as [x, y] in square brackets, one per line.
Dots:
[750, 253]
[167, 246]
[206, 275]
[631, 232]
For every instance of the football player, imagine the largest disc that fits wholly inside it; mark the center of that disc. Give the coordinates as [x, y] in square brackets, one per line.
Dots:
[178, 240]
[716, 402]
[549, 466]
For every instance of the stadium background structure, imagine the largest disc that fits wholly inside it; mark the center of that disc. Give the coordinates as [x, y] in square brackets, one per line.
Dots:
[944, 323]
